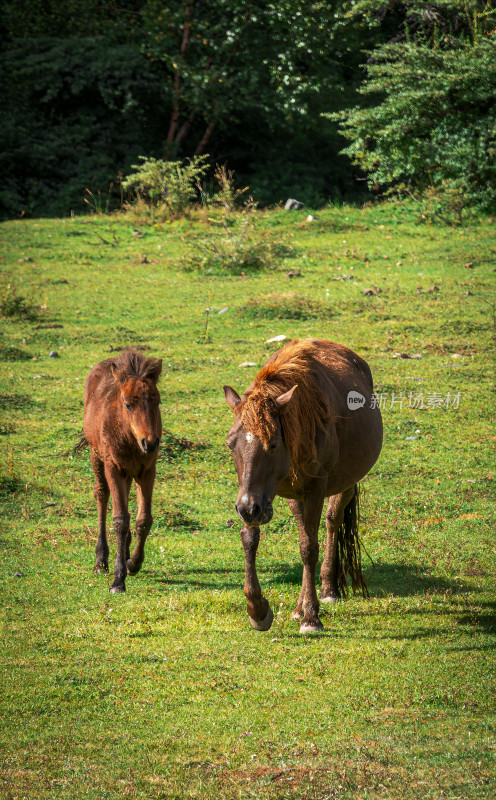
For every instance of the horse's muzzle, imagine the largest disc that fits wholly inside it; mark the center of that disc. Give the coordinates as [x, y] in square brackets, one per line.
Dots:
[254, 514]
[149, 445]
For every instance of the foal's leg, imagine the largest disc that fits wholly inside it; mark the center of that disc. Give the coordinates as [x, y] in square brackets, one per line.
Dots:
[144, 519]
[128, 537]
[258, 608]
[307, 515]
[329, 570]
[101, 493]
[119, 489]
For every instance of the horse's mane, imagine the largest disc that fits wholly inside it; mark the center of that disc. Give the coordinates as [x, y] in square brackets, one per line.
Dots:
[308, 410]
[133, 364]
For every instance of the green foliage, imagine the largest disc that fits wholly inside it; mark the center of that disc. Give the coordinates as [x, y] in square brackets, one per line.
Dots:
[167, 185]
[13, 304]
[219, 59]
[430, 119]
[235, 246]
[71, 120]
[228, 194]
[447, 202]
[90, 86]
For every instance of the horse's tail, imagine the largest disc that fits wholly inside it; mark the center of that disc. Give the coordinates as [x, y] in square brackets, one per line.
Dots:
[349, 549]
[80, 445]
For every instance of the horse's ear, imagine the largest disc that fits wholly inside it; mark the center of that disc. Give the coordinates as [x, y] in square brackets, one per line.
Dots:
[283, 399]
[232, 398]
[155, 370]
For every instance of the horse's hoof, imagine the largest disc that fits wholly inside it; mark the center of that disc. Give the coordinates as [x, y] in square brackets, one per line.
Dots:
[311, 627]
[100, 569]
[117, 589]
[296, 614]
[330, 598]
[132, 569]
[265, 624]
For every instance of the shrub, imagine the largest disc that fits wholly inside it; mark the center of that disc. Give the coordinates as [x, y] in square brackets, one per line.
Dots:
[167, 186]
[431, 122]
[235, 246]
[13, 304]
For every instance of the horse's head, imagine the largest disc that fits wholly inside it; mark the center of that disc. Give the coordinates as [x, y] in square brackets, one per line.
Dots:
[261, 461]
[140, 400]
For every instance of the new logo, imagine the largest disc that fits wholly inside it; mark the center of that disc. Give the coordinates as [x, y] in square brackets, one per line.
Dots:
[355, 400]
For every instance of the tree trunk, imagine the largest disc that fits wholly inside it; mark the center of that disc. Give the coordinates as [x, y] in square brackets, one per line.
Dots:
[200, 148]
[174, 120]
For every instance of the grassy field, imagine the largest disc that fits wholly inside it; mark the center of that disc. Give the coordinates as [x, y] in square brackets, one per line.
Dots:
[166, 691]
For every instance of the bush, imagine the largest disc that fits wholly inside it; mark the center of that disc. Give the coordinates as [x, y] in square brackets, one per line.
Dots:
[13, 304]
[432, 123]
[167, 186]
[236, 246]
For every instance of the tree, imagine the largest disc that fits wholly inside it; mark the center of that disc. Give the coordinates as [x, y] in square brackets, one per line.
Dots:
[221, 57]
[75, 106]
[91, 85]
[430, 119]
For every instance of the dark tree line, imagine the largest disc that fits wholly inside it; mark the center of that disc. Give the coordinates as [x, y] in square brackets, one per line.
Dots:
[268, 88]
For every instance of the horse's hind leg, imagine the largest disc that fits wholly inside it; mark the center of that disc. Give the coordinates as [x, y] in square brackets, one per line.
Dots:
[329, 571]
[144, 519]
[101, 493]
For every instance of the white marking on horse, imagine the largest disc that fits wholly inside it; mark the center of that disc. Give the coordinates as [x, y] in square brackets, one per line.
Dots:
[249, 437]
[244, 499]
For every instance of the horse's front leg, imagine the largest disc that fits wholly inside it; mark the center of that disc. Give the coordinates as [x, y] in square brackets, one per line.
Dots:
[307, 515]
[144, 519]
[258, 608]
[119, 489]
[101, 494]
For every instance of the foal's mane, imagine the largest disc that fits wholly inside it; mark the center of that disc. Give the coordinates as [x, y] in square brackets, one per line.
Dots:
[132, 364]
[307, 411]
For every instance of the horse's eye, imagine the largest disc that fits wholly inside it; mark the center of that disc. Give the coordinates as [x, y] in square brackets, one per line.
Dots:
[129, 407]
[272, 448]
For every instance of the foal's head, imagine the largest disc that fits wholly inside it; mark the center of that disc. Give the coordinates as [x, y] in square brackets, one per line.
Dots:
[136, 379]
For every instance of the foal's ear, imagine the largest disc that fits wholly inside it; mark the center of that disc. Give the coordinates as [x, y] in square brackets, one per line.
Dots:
[283, 399]
[232, 398]
[155, 369]
[118, 375]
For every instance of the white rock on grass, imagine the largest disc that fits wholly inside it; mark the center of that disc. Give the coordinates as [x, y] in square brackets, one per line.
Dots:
[279, 338]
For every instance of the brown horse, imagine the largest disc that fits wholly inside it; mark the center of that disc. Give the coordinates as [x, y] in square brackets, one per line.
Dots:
[123, 427]
[307, 428]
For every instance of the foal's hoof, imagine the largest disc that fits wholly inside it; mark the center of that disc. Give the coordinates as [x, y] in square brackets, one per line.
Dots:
[330, 598]
[311, 627]
[117, 589]
[297, 613]
[132, 568]
[100, 569]
[265, 624]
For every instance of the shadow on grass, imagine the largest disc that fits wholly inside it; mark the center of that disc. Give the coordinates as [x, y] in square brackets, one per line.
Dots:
[198, 578]
[404, 580]
[397, 580]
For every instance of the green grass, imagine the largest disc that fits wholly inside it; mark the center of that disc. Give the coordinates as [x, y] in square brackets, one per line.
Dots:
[167, 692]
